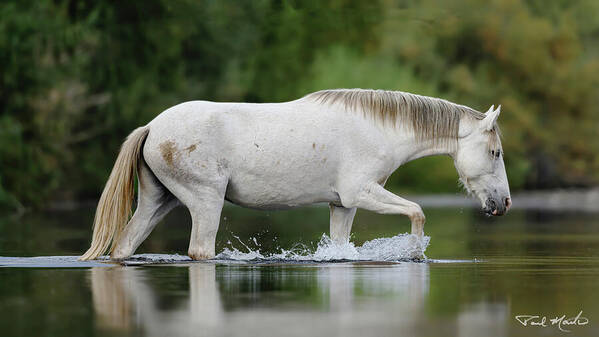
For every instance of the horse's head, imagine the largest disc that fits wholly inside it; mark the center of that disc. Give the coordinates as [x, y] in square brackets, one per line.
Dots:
[479, 162]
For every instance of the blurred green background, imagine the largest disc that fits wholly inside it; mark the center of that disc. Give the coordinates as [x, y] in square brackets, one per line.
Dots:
[78, 76]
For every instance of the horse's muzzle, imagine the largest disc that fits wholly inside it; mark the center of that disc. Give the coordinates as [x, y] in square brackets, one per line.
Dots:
[497, 208]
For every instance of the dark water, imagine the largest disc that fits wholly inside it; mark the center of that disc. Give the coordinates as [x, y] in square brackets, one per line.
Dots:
[483, 272]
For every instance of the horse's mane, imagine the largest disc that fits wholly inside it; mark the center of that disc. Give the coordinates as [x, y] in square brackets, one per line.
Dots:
[430, 118]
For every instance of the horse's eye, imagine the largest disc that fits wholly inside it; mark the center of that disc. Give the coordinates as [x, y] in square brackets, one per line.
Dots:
[493, 152]
[498, 153]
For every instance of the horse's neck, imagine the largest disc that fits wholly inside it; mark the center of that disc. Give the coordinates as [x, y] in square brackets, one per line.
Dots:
[408, 147]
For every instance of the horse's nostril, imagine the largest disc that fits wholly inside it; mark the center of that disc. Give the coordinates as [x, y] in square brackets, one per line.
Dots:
[508, 203]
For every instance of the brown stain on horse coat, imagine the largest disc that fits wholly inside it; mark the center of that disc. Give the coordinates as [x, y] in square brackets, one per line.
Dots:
[168, 149]
[190, 148]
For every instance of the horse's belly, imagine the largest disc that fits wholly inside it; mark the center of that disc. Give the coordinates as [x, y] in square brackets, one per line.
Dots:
[282, 191]
[277, 164]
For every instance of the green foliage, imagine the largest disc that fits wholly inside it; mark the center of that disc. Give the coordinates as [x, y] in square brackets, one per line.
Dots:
[78, 76]
[538, 60]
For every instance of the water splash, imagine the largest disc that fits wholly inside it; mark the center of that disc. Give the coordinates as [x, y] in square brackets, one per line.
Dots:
[399, 247]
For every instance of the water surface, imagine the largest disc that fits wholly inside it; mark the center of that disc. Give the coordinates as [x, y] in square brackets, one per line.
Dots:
[480, 273]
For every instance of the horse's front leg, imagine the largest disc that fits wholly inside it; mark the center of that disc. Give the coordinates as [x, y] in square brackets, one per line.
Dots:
[376, 198]
[341, 222]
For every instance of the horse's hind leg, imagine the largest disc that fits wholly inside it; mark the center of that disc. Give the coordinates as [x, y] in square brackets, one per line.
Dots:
[205, 210]
[154, 202]
[203, 193]
[205, 202]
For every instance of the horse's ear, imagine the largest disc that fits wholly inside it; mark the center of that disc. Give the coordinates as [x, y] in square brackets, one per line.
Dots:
[491, 117]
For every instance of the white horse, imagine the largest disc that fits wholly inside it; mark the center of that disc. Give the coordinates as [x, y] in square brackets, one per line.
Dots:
[334, 146]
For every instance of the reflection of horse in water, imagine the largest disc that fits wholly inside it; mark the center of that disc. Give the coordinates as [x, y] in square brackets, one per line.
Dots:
[334, 146]
[123, 299]
[333, 299]
[347, 295]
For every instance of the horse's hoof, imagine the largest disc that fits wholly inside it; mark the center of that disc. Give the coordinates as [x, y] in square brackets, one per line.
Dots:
[417, 248]
[419, 258]
[118, 258]
[199, 256]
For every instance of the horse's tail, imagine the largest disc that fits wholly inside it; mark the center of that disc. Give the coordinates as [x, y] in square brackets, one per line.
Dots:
[114, 207]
